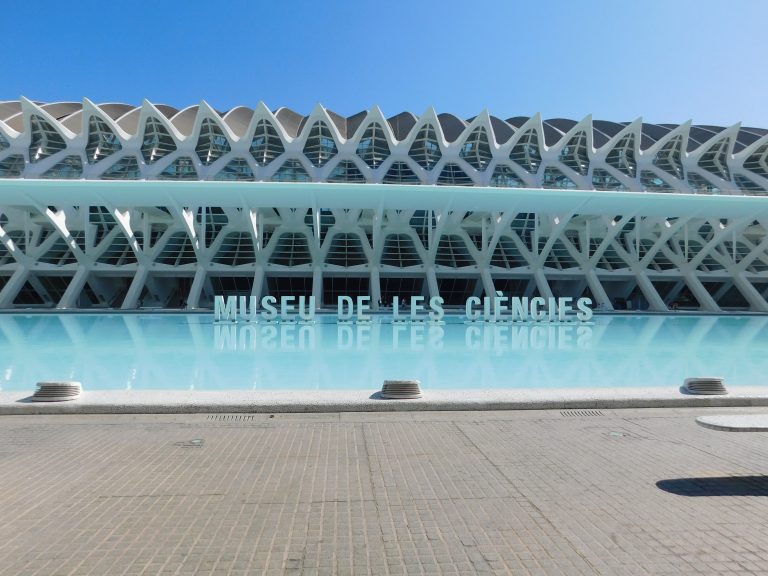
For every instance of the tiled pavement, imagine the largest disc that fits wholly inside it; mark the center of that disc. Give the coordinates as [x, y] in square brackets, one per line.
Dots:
[532, 492]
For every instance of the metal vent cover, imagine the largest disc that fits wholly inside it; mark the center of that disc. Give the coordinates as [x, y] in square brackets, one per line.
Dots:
[230, 417]
[704, 386]
[580, 413]
[401, 389]
[60, 391]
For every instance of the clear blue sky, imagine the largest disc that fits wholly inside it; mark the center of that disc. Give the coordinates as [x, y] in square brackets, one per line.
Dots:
[665, 60]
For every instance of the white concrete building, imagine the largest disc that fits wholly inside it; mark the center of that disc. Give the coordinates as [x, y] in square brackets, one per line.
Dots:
[124, 207]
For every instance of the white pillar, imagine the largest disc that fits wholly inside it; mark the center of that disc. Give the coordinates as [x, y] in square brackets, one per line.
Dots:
[432, 282]
[655, 302]
[134, 291]
[13, 286]
[375, 288]
[193, 300]
[542, 284]
[487, 280]
[317, 286]
[258, 283]
[71, 295]
[750, 293]
[596, 287]
[700, 293]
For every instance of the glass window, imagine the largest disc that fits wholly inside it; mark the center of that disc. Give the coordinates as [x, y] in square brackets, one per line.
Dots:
[400, 173]
[291, 250]
[102, 142]
[452, 252]
[291, 171]
[266, 144]
[346, 171]
[373, 148]
[758, 161]
[157, 142]
[603, 180]
[46, 140]
[553, 178]
[574, 154]
[526, 152]
[346, 250]
[747, 186]
[505, 177]
[180, 169]
[669, 157]
[701, 185]
[622, 156]
[69, 168]
[476, 150]
[425, 149]
[211, 144]
[400, 251]
[453, 175]
[236, 249]
[715, 160]
[320, 146]
[12, 166]
[238, 169]
[124, 169]
[652, 183]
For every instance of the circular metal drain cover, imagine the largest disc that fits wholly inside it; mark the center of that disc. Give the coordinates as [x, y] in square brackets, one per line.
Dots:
[704, 386]
[57, 391]
[401, 389]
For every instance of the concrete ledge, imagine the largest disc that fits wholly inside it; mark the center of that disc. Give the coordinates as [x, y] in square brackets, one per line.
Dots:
[253, 401]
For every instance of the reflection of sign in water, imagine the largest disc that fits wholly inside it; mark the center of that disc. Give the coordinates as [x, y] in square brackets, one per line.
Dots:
[405, 337]
[488, 309]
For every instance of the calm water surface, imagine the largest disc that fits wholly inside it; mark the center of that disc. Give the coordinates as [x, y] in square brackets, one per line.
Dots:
[182, 352]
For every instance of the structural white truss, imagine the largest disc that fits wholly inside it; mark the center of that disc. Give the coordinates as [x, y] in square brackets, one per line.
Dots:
[118, 206]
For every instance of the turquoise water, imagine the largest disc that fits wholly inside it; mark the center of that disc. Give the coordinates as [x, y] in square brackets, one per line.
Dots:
[182, 352]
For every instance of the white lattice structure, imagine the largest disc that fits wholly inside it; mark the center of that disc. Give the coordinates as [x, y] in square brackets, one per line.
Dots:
[119, 206]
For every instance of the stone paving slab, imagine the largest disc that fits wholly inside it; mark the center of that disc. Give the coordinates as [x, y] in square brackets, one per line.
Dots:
[536, 492]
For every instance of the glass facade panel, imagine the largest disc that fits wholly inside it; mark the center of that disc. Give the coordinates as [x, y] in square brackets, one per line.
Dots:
[180, 169]
[553, 178]
[320, 146]
[266, 144]
[425, 149]
[212, 144]
[46, 140]
[102, 141]
[525, 153]
[400, 173]
[669, 158]
[574, 154]
[373, 148]
[157, 142]
[69, 168]
[346, 171]
[124, 169]
[505, 177]
[291, 171]
[622, 156]
[476, 150]
[715, 160]
[238, 169]
[453, 175]
[12, 166]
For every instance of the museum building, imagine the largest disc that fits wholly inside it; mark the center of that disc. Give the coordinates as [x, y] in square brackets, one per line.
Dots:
[125, 207]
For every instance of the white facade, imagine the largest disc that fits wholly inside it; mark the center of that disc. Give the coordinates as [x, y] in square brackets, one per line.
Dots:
[117, 206]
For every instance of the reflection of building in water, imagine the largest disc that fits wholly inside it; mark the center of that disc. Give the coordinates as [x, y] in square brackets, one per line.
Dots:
[116, 206]
[403, 337]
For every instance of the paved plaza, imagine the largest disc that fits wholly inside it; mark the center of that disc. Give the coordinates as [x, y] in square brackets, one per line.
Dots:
[530, 492]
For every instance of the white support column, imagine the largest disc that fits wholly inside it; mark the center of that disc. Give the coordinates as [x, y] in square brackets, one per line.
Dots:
[542, 284]
[487, 280]
[756, 302]
[134, 290]
[70, 297]
[655, 302]
[193, 300]
[13, 286]
[432, 282]
[317, 286]
[375, 288]
[596, 287]
[700, 293]
[258, 284]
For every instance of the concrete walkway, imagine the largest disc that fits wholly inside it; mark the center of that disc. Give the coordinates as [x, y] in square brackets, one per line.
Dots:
[532, 492]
